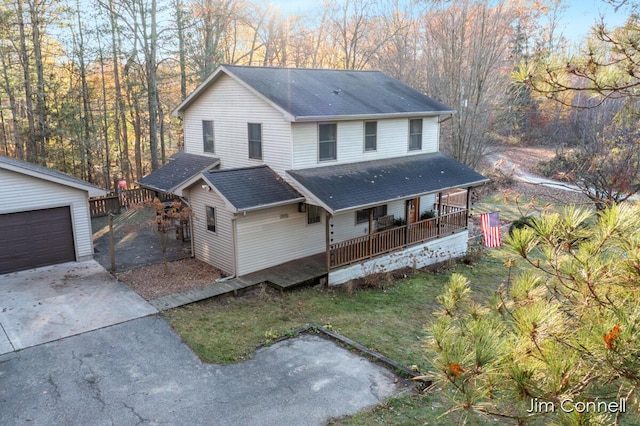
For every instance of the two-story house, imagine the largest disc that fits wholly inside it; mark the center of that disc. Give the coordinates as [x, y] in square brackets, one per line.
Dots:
[280, 164]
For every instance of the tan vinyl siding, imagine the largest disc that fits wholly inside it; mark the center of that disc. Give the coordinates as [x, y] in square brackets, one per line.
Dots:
[231, 106]
[430, 135]
[22, 192]
[392, 141]
[345, 227]
[276, 235]
[214, 248]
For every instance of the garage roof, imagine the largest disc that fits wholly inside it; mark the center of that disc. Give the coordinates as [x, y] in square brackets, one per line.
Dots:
[51, 175]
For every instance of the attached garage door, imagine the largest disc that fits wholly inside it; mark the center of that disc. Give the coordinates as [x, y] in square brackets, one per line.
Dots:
[35, 238]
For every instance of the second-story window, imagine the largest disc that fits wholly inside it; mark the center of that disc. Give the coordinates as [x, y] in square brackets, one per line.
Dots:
[415, 134]
[370, 135]
[255, 140]
[327, 141]
[207, 136]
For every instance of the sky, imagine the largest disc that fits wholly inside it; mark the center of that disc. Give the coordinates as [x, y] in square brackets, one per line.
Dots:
[577, 20]
[581, 15]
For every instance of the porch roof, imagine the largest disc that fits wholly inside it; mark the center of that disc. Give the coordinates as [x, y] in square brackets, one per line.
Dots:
[252, 188]
[180, 168]
[358, 185]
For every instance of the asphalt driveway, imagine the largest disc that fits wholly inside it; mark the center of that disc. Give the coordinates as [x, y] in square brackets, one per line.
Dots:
[49, 303]
[139, 372]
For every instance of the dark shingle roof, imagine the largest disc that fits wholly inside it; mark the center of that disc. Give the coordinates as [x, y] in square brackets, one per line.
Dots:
[346, 186]
[320, 93]
[181, 168]
[252, 187]
[73, 181]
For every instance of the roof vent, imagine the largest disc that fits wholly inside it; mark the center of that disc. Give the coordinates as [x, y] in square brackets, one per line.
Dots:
[337, 91]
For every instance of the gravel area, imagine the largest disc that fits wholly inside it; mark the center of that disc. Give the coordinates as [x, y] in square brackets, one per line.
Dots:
[526, 159]
[154, 281]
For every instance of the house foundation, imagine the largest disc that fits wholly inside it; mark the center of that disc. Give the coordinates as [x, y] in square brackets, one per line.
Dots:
[417, 256]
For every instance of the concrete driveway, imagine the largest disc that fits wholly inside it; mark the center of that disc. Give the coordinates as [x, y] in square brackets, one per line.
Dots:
[139, 372]
[46, 304]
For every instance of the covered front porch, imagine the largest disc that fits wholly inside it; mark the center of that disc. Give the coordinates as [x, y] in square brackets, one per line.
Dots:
[383, 215]
[450, 220]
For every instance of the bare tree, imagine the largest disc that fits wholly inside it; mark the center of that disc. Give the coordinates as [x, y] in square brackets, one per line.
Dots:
[465, 52]
[399, 57]
[36, 14]
[358, 31]
[213, 24]
[7, 59]
[32, 146]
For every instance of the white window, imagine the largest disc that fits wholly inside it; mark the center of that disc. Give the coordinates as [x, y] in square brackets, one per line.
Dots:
[327, 141]
[255, 140]
[370, 135]
[207, 136]
[211, 219]
[313, 214]
[378, 211]
[415, 134]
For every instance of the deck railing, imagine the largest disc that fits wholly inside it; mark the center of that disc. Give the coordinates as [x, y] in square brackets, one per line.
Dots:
[368, 246]
[101, 206]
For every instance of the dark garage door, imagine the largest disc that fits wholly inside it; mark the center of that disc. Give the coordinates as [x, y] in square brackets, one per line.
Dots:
[35, 238]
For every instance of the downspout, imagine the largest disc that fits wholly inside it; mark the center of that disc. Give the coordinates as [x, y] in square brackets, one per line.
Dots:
[234, 232]
[327, 231]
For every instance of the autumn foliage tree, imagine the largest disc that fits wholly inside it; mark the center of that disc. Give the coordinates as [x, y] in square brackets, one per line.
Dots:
[566, 330]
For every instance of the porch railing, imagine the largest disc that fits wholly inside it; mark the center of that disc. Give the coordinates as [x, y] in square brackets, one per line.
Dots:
[368, 246]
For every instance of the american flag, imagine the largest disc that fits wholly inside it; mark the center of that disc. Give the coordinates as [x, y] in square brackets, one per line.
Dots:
[490, 225]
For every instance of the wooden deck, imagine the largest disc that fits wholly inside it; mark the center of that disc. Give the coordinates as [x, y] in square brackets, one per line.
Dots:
[300, 272]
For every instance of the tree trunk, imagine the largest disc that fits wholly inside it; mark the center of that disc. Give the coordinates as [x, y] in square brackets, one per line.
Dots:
[86, 117]
[17, 139]
[149, 41]
[120, 119]
[32, 147]
[42, 128]
[181, 50]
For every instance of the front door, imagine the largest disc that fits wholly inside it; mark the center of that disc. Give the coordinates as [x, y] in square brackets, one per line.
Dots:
[412, 210]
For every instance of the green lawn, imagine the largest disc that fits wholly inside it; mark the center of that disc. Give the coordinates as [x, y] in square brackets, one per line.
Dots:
[389, 320]
[510, 210]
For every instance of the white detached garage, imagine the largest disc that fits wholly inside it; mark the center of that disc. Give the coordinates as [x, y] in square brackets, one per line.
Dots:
[44, 216]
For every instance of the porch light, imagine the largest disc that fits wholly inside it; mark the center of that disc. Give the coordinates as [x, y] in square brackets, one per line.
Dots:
[302, 207]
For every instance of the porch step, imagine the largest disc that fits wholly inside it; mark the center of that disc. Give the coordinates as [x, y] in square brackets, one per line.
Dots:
[288, 275]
